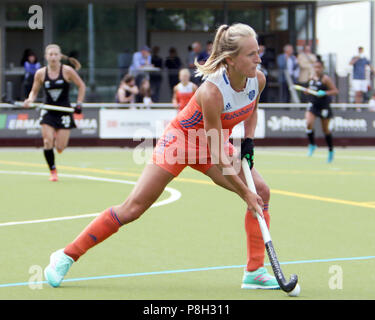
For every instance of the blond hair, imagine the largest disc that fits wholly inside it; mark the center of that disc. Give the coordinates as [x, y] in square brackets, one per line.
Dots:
[52, 45]
[227, 43]
[74, 62]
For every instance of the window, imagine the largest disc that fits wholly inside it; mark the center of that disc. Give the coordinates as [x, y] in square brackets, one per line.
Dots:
[251, 16]
[70, 30]
[277, 19]
[115, 33]
[161, 19]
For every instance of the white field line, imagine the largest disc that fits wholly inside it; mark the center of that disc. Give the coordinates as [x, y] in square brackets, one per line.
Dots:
[174, 196]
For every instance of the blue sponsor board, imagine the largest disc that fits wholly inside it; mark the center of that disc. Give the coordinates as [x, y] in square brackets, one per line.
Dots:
[25, 124]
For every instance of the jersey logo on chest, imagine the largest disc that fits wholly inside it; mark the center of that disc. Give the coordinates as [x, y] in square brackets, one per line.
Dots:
[251, 95]
[55, 93]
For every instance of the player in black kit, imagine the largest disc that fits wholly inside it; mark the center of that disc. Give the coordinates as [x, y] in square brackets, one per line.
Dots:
[55, 79]
[320, 107]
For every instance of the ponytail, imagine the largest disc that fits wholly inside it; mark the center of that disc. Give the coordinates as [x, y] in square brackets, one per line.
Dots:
[73, 61]
[226, 44]
[214, 61]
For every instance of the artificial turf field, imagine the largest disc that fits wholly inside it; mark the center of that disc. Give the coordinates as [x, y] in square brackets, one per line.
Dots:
[192, 244]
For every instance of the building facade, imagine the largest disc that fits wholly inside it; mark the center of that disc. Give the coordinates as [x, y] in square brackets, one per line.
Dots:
[102, 35]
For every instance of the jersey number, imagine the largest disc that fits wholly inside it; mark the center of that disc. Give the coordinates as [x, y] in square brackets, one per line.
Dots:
[65, 120]
[324, 113]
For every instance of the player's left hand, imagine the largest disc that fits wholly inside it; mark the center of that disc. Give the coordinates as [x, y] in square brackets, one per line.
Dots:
[321, 93]
[247, 151]
[78, 108]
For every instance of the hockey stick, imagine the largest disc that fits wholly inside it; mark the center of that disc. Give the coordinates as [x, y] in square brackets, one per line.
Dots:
[305, 90]
[20, 104]
[286, 286]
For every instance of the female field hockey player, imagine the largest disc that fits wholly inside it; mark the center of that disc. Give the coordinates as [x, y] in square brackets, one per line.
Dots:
[184, 90]
[228, 96]
[320, 107]
[55, 78]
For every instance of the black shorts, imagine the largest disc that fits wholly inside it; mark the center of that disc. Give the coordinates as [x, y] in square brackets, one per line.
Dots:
[57, 120]
[321, 112]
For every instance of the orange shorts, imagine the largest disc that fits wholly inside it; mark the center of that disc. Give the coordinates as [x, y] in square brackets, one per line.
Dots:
[177, 149]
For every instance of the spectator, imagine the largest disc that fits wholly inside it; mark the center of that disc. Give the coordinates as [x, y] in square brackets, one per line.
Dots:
[306, 60]
[25, 55]
[194, 54]
[287, 61]
[141, 59]
[156, 77]
[31, 65]
[184, 90]
[173, 64]
[189, 55]
[360, 84]
[203, 56]
[144, 94]
[264, 68]
[196, 50]
[127, 90]
[124, 60]
[372, 103]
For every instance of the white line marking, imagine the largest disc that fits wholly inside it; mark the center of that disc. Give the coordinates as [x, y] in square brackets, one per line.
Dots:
[174, 196]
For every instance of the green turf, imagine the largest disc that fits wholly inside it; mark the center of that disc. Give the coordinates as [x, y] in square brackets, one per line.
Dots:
[204, 228]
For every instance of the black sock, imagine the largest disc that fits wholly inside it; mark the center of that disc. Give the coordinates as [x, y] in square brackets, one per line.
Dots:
[50, 158]
[329, 141]
[311, 136]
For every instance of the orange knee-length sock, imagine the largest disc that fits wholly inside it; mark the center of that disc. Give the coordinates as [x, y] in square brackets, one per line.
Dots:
[255, 244]
[103, 226]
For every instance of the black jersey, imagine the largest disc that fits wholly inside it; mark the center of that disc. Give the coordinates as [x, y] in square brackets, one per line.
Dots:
[57, 93]
[319, 102]
[57, 90]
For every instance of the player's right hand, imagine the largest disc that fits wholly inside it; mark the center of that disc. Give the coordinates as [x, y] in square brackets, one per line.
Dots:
[27, 103]
[254, 203]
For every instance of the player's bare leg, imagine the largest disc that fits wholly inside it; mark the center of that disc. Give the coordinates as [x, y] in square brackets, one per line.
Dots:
[48, 135]
[328, 138]
[149, 187]
[62, 139]
[147, 190]
[310, 121]
[262, 189]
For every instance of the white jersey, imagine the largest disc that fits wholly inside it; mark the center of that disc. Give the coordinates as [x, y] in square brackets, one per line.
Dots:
[185, 89]
[232, 99]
